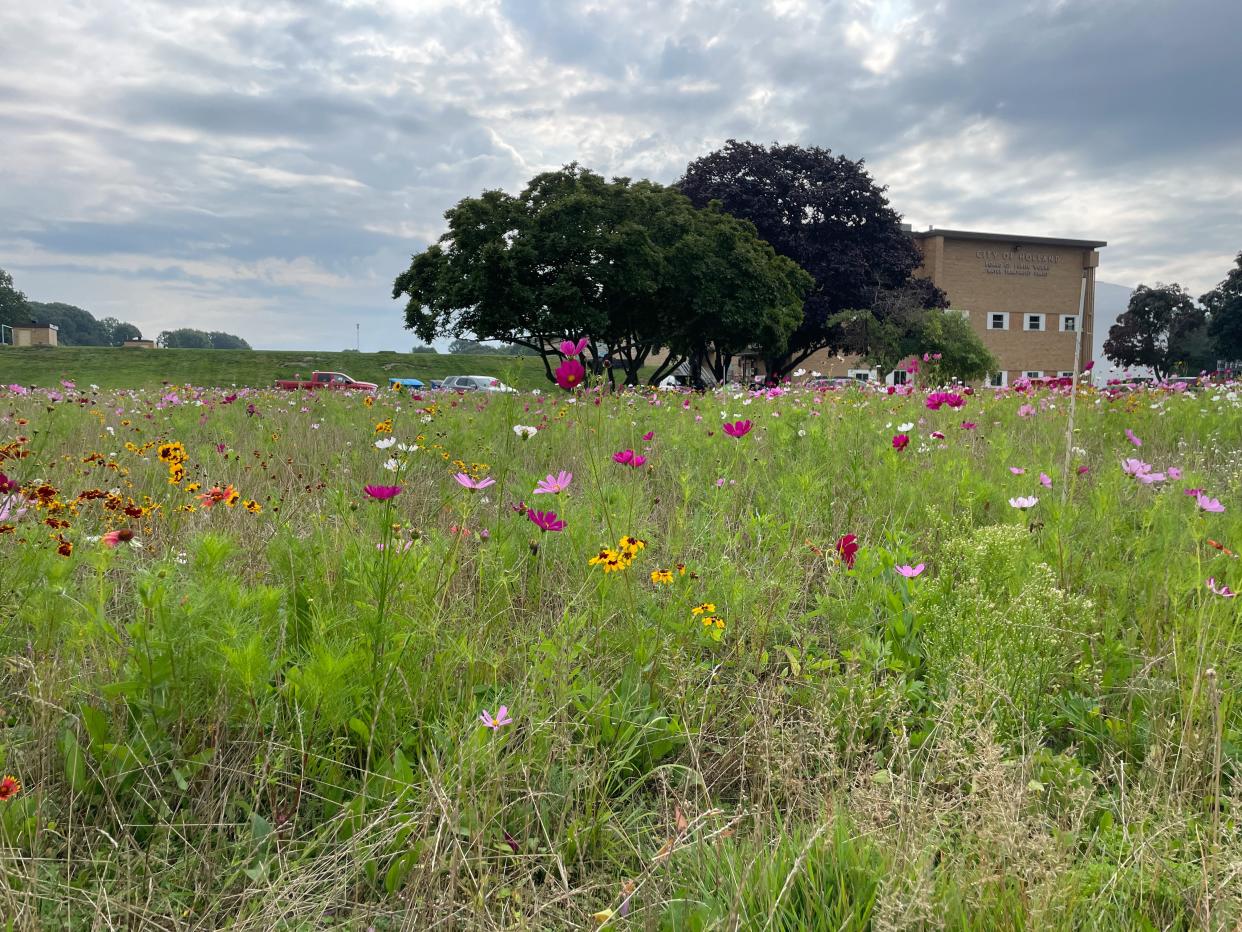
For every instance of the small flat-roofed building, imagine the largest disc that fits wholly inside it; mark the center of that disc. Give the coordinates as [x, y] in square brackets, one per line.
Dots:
[35, 334]
[138, 344]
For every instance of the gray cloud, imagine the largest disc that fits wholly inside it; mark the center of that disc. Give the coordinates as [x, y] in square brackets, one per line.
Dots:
[274, 164]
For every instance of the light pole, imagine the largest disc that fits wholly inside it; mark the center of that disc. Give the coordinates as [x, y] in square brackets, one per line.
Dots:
[358, 337]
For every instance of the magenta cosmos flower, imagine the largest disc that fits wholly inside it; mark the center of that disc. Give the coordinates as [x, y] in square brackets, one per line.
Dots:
[1209, 504]
[1132, 438]
[570, 348]
[554, 485]
[900, 442]
[569, 374]
[1222, 590]
[545, 520]
[739, 429]
[1045, 480]
[382, 493]
[476, 484]
[495, 724]
[909, 571]
[629, 458]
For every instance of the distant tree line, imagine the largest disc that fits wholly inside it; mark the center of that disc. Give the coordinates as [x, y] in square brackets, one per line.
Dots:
[75, 326]
[781, 251]
[78, 327]
[186, 338]
[1164, 329]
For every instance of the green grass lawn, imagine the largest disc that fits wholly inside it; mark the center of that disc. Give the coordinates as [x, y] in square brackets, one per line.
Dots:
[134, 368]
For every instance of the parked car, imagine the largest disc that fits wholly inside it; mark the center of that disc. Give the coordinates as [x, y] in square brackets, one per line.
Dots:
[395, 383]
[329, 380]
[475, 383]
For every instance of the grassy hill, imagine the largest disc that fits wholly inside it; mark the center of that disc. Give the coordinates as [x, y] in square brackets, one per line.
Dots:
[135, 368]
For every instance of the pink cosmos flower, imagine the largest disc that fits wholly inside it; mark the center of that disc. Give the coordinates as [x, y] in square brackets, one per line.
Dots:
[382, 493]
[649, 435]
[1023, 502]
[545, 520]
[1193, 493]
[847, 548]
[1089, 366]
[1045, 480]
[570, 348]
[554, 485]
[1223, 591]
[937, 435]
[740, 429]
[1174, 472]
[1083, 470]
[628, 458]
[569, 374]
[1209, 504]
[1150, 478]
[1134, 467]
[1132, 438]
[1026, 411]
[495, 724]
[1017, 470]
[900, 442]
[969, 425]
[475, 484]
[910, 571]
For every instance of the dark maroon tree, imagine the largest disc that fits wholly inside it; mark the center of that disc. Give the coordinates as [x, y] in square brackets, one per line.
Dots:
[826, 214]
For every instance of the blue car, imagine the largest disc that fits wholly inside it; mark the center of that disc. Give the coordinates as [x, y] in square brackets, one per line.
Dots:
[405, 383]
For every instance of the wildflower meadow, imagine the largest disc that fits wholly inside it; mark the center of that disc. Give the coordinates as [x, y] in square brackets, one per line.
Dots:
[746, 659]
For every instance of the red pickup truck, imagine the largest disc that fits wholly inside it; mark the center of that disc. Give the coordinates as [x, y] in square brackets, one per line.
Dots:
[338, 380]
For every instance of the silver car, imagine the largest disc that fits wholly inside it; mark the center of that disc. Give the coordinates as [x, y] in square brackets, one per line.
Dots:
[475, 383]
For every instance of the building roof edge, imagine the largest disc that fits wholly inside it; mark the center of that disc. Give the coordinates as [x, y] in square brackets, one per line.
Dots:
[1009, 238]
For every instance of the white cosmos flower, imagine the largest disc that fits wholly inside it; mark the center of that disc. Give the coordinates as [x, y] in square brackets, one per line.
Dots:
[525, 431]
[385, 443]
[905, 427]
[392, 465]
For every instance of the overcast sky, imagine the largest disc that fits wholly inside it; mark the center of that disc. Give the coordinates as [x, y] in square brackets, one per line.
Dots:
[267, 168]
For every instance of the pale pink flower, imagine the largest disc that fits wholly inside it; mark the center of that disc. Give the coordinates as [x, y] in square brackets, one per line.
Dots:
[1222, 590]
[909, 571]
[1209, 504]
[495, 724]
[554, 485]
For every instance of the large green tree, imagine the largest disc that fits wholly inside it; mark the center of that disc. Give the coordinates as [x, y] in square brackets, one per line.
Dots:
[1159, 329]
[632, 266]
[828, 215]
[14, 308]
[1224, 306]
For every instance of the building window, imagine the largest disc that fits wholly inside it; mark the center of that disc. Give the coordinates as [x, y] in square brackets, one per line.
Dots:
[899, 376]
[1065, 375]
[1033, 374]
[998, 321]
[862, 375]
[997, 379]
[1069, 323]
[1034, 322]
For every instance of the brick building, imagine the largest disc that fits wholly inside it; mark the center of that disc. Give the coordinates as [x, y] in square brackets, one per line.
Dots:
[1022, 295]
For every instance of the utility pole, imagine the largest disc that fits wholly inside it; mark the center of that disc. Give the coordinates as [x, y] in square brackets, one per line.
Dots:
[358, 337]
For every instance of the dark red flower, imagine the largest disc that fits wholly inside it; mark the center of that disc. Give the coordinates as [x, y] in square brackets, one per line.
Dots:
[847, 548]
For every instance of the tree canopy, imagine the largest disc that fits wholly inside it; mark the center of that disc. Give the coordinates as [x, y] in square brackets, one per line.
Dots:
[826, 214]
[188, 338]
[632, 266]
[14, 308]
[1159, 329]
[1224, 305]
[904, 327]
